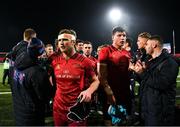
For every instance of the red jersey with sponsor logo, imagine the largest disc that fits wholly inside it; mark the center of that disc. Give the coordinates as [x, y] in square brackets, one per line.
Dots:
[118, 76]
[70, 77]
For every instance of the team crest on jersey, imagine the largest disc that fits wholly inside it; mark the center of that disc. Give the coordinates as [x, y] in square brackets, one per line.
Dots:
[19, 77]
[57, 66]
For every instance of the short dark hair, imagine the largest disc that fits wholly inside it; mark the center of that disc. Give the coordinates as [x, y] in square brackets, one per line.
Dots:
[118, 29]
[87, 42]
[157, 38]
[68, 31]
[79, 41]
[48, 45]
[129, 41]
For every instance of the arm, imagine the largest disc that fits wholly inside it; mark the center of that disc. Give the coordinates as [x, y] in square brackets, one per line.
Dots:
[139, 69]
[102, 75]
[86, 94]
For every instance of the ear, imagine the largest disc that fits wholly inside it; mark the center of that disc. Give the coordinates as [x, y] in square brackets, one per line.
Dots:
[112, 37]
[154, 44]
[74, 42]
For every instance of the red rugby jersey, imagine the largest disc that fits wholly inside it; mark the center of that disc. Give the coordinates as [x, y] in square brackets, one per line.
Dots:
[70, 78]
[88, 80]
[117, 67]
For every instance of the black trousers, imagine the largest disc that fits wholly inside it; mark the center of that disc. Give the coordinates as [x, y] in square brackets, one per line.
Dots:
[5, 74]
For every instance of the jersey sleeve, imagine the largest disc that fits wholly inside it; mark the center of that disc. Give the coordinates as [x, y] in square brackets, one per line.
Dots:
[89, 68]
[103, 55]
[53, 60]
[127, 54]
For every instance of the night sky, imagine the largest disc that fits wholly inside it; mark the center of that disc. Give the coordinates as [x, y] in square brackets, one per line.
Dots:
[88, 18]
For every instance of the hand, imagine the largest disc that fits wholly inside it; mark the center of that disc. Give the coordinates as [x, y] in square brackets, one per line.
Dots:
[139, 67]
[111, 99]
[108, 90]
[131, 66]
[85, 96]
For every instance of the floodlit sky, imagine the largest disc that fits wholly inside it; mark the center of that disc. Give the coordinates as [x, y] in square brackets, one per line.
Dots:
[89, 18]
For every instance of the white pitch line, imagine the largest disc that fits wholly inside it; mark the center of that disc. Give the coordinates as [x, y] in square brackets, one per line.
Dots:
[5, 92]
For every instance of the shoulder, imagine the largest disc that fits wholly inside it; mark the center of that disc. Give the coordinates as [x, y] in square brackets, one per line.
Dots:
[55, 59]
[21, 43]
[81, 58]
[54, 56]
[172, 61]
[167, 61]
[106, 48]
[126, 53]
[105, 51]
[93, 59]
[84, 60]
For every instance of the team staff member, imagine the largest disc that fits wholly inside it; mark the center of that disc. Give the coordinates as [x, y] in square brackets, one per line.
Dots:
[158, 80]
[70, 69]
[20, 47]
[31, 87]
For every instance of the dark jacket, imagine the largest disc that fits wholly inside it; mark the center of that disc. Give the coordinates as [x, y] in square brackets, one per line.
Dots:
[18, 49]
[158, 91]
[30, 91]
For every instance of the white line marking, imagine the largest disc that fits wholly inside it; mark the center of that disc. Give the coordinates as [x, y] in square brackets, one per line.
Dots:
[5, 92]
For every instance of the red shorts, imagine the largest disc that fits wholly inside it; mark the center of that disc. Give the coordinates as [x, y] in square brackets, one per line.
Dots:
[60, 119]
